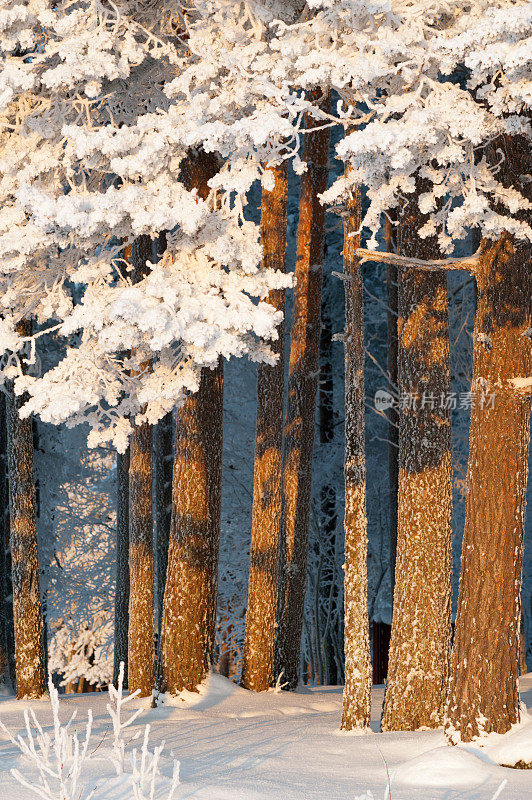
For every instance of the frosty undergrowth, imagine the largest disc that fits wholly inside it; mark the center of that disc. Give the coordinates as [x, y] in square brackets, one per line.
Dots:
[61, 758]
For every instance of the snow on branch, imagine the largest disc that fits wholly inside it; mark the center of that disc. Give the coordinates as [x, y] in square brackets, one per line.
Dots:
[62, 760]
[468, 263]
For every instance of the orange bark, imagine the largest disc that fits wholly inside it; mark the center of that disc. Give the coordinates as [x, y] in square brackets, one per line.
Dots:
[302, 388]
[483, 694]
[27, 607]
[141, 645]
[189, 606]
[357, 692]
[485, 665]
[421, 627]
[257, 670]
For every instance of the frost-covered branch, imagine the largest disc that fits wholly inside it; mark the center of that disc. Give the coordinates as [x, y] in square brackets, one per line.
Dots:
[466, 263]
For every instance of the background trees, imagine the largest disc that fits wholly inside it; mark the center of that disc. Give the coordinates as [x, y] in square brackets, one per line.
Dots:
[98, 133]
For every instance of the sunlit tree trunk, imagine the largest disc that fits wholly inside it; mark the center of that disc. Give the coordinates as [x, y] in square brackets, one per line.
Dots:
[27, 609]
[302, 387]
[164, 458]
[189, 607]
[257, 670]
[421, 628]
[122, 566]
[485, 664]
[357, 692]
[141, 650]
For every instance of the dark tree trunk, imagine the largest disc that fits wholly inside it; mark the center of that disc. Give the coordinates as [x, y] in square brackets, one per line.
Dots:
[27, 609]
[164, 459]
[328, 591]
[257, 670]
[421, 629]
[141, 645]
[485, 665]
[5, 678]
[122, 566]
[189, 611]
[302, 388]
[357, 692]
[393, 414]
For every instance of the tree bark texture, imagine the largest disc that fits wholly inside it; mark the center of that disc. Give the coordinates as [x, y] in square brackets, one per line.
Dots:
[4, 503]
[141, 646]
[164, 459]
[330, 620]
[392, 295]
[485, 664]
[189, 611]
[421, 629]
[27, 609]
[258, 664]
[302, 388]
[122, 566]
[189, 606]
[356, 712]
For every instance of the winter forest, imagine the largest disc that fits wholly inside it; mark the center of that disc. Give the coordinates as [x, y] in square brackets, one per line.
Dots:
[266, 373]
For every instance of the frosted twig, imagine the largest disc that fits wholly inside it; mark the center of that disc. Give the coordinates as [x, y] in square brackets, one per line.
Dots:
[116, 695]
[279, 686]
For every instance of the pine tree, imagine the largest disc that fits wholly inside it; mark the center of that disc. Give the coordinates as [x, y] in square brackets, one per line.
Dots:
[27, 609]
[4, 504]
[483, 694]
[393, 415]
[421, 628]
[302, 388]
[357, 692]
[122, 566]
[326, 598]
[141, 651]
[121, 629]
[189, 606]
[189, 609]
[164, 452]
[258, 666]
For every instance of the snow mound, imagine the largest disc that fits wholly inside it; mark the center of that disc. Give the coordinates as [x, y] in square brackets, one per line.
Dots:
[214, 689]
[444, 766]
[513, 747]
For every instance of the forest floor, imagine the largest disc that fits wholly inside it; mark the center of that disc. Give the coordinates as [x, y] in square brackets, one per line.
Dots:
[234, 745]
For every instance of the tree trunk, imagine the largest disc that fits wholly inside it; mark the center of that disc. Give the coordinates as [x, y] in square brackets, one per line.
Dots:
[257, 669]
[393, 414]
[483, 688]
[327, 595]
[164, 458]
[27, 610]
[189, 606]
[141, 651]
[189, 610]
[122, 566]
[421, 629]
[357, 692]
[4, 502]
[302, 387]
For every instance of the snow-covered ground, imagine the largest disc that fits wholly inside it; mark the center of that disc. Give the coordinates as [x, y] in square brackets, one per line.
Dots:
[235, 745]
